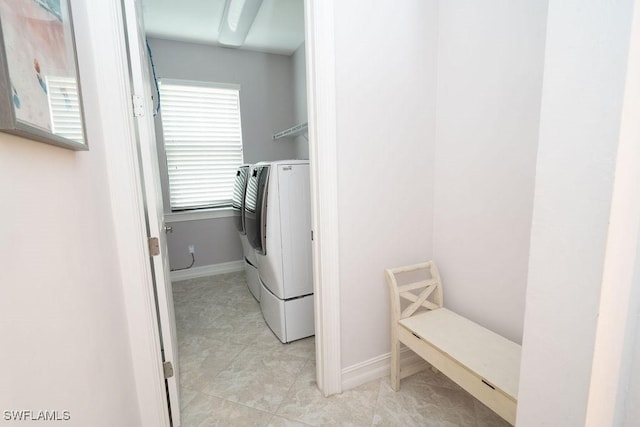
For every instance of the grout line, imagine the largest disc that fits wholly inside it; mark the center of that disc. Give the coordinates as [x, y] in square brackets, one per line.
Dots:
[293, 383]
[375, 407]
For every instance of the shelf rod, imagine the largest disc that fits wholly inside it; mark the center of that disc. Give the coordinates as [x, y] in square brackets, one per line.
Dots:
[293, 131]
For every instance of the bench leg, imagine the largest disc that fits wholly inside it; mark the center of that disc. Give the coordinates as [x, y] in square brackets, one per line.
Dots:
[395, 363]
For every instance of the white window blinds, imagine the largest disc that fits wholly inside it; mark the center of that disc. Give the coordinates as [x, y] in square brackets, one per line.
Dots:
[203, 142]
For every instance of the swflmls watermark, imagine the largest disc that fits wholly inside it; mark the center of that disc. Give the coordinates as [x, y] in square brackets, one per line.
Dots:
[36, 415]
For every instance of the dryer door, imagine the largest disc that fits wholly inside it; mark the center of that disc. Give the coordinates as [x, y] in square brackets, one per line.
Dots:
[263, 194]
[255, 207]
[237, 198]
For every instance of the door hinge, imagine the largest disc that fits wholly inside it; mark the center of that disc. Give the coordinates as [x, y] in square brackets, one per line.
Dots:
[154, 246]
[138, 106]
[167, 367]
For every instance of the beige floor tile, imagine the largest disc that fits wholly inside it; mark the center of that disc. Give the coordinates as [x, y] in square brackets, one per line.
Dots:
[419, 403]
[257, 379]
[277, 421]
[209, 411]
[235, 372]
[487, 418]
[186, 396]
[305, 403]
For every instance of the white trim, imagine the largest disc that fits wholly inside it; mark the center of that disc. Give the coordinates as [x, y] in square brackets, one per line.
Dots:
[168, 81]
[321, 95]
[375, 368]
[198, 215]
[127, 206]
[207, 270]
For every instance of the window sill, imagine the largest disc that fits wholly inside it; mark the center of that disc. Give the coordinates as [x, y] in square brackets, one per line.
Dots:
[198, 215]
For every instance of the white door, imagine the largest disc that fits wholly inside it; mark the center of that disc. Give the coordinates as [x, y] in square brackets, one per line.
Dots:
[144, 110]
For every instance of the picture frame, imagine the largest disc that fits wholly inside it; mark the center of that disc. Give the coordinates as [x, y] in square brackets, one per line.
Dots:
[40, 92]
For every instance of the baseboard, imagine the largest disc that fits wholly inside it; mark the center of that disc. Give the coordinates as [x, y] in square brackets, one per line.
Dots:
[375, 368]
[207, 270]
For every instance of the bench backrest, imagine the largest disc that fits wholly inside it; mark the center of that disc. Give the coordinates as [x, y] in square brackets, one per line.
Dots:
[426, 293]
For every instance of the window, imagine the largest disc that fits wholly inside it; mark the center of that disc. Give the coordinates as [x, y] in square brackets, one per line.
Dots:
[203, 142]
[64, 107]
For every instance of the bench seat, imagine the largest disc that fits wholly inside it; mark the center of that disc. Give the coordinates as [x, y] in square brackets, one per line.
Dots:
[480, 361]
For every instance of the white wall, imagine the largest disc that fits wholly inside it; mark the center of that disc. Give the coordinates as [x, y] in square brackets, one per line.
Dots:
[385, 108]
[490, 61]
[585, 65]
[63, 323]
[612, 375]
[215, 240]
[267, 102]
[298, 60]
[626, 408]
[631, 409]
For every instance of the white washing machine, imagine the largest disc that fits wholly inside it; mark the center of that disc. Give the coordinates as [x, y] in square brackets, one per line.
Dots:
[278, 227]
[250, 260]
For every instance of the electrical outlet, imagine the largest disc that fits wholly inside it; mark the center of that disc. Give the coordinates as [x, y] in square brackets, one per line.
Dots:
[192, 249]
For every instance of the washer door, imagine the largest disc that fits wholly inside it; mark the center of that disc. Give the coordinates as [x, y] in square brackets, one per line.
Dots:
[255, 207]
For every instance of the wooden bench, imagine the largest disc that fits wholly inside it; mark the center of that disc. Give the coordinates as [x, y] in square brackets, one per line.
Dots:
[480, 361]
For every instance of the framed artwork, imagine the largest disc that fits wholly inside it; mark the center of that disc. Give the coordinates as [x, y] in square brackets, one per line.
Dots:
[40, 96]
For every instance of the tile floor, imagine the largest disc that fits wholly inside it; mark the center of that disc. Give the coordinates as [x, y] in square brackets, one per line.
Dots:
[235, 372]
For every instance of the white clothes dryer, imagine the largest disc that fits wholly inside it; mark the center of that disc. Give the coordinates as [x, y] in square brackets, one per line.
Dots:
[278, 226]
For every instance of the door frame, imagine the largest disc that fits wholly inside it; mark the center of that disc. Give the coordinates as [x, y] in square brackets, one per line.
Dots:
[128, 211]
[321, 106]
[127, 206]
[141, 87]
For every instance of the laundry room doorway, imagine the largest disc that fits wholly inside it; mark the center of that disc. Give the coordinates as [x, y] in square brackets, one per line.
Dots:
[321, 126]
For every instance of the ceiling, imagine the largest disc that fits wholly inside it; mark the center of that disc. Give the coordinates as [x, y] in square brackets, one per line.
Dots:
[278, 27]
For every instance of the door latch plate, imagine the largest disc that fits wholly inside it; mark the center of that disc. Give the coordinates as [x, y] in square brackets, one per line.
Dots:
[154, 246]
